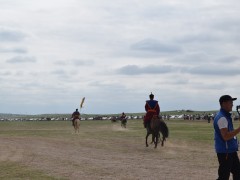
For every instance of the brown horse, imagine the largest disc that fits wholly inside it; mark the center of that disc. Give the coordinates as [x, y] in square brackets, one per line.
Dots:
[76, 125]
[156, 127]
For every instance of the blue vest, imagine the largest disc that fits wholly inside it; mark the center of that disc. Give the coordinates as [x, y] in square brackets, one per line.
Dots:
[222, 146]
[152, 103]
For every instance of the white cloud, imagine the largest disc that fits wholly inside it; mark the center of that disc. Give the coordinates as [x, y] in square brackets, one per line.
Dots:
[13, 50]
[155, 46]
[115, 53]
[11, 35]
[150, 69]
[21, 59]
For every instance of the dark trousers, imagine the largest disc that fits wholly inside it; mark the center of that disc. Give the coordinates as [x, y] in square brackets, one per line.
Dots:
[228, 163]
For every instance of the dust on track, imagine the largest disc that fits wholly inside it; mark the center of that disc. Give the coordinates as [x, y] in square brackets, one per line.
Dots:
[89, 158]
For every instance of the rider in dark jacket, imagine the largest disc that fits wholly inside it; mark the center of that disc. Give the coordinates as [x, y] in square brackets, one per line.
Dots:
[75, 115]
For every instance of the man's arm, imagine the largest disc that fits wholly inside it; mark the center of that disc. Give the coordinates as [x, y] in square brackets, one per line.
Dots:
[226, 135]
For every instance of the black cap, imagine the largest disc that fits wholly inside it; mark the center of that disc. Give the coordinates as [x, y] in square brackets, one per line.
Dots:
[225, 98]
[151, 95]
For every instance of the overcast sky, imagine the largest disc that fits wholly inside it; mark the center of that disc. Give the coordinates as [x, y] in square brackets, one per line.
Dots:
[115, 53]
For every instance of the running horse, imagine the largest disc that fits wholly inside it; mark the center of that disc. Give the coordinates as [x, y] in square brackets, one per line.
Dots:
[76, 125]
[124, 122]
[157, 127]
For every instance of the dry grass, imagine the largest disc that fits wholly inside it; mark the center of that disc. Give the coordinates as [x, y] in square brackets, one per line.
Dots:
[104, 150]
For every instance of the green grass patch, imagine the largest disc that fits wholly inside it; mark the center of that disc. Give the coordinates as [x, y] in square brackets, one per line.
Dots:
[100, 135]
[15, 171]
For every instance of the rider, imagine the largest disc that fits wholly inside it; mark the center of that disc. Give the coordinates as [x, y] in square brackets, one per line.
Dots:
[123, 116]
[75, 115]
[152, 108]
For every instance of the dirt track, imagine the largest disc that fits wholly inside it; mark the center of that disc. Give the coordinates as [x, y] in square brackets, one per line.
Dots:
[88, 158]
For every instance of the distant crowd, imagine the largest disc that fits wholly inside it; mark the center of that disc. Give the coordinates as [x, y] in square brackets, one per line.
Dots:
[203, 116]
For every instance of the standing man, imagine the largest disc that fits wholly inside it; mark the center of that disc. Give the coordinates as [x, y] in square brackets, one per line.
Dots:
[75, 115]
[226, 144]
[152, 108]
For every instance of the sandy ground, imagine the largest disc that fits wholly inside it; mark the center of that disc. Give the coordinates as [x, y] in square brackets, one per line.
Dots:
[88, 158]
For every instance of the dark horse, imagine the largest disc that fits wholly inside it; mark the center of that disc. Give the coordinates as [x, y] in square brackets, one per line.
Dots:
[124, 122]
[155, 127]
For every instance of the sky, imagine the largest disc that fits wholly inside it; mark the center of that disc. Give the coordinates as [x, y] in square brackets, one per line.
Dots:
[115, 53]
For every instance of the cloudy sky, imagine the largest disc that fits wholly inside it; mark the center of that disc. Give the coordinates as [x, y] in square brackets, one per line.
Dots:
[115, 53]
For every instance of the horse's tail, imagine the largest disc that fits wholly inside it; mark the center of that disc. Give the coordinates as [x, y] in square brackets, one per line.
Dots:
[164, 129]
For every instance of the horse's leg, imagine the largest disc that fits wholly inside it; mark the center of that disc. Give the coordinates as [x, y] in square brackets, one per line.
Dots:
[152, 139]
[156, 139]
[146, 139]
[159, 137]
[78, 127]
[73, 128]
[163, 141]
